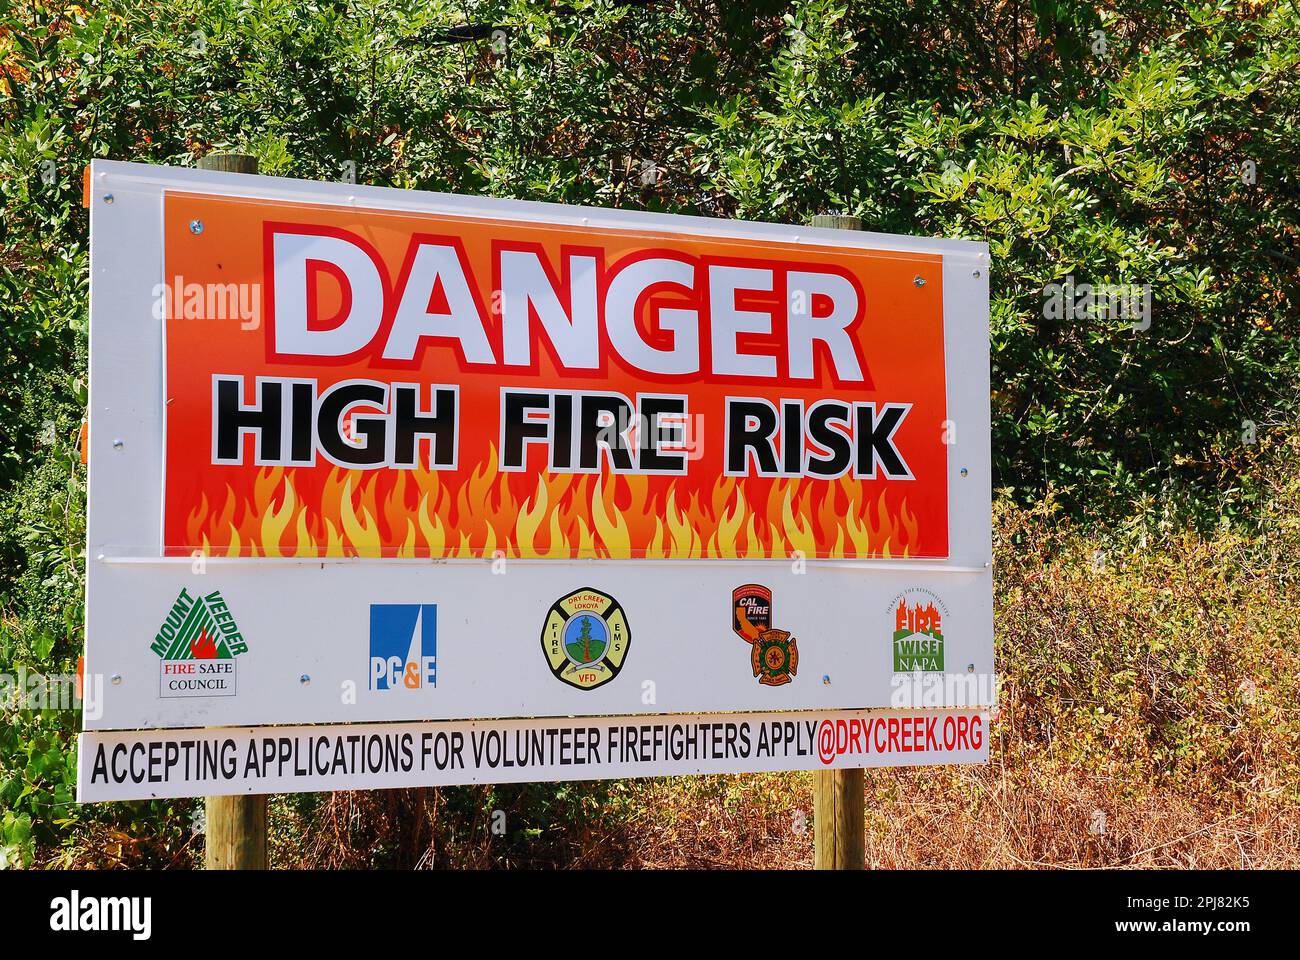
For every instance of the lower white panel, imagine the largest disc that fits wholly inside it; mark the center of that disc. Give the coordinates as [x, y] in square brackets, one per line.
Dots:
[143, 765]
[310, 632]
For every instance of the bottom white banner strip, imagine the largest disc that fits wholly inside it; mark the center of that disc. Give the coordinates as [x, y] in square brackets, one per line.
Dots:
[141, 765]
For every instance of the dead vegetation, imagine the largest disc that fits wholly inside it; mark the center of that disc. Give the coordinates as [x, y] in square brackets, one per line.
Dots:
[1147, 718]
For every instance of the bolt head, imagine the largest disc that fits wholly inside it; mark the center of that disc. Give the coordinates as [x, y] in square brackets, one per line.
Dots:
[304, 679]
[196, 227]
[965, 472]
[108, 198]
[116, 679]
[918, 282]
[118, 444]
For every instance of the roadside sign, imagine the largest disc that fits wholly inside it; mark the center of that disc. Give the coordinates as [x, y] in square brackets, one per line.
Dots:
[369, 456]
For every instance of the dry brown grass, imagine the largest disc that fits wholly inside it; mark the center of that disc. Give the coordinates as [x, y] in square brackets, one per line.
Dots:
[1148, 718]
[969, 818]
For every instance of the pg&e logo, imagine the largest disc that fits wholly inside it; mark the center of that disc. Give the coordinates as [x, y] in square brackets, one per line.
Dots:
[403, 646]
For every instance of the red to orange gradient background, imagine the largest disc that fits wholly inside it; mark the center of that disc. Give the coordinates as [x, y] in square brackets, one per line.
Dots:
[476, 510]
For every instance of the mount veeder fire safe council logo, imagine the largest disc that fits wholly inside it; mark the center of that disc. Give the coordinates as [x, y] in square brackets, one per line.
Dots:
[586, 638]
[197, 645]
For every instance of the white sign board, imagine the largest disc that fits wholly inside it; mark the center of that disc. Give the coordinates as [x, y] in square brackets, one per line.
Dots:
[361, 455]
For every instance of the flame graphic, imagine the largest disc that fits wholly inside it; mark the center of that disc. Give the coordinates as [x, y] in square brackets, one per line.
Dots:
[417, 513]
[203, 647]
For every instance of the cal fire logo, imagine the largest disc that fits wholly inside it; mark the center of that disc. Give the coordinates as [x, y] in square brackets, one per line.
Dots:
[774, 654]
[198, 644]
[918, 631]
[586, 638]
[403, 646]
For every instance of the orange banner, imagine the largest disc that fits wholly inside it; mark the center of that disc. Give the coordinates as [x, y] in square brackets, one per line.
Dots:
[344, 382]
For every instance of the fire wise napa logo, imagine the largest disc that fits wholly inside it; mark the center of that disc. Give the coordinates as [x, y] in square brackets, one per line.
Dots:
[198, 644]
[773, 653]
[586, 638]
[918, 617]
[403, 646]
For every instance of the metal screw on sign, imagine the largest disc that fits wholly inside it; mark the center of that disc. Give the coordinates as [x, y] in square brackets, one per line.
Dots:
[965, 472]
[117, 444]
[304, 679]
[116, 679]
[196, 227]
[975, 274]
[918, 281]
[108, 198]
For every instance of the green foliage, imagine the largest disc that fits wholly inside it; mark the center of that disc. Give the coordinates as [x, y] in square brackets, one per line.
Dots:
[1106, 143]
[1112, 160]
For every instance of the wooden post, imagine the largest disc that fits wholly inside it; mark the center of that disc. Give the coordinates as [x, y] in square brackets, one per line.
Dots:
[235, 832]
[839, 812]
[839, 798]
[229, 163]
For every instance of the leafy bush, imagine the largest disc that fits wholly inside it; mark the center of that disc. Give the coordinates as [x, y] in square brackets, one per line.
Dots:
[1125, 142]
[1120, 166]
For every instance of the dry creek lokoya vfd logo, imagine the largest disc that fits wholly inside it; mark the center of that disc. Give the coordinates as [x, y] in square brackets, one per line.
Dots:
[198, 643]
[586, 638]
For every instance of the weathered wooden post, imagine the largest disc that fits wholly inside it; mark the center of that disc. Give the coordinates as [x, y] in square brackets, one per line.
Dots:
[839, 800]
[229, 163]
[235, 831]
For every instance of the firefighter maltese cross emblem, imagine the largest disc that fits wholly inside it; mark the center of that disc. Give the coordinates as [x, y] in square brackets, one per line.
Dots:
[773, 654]
[586, 638]
[774, 657]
